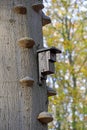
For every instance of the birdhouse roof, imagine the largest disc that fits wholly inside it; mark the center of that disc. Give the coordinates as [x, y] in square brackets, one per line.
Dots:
[51, 49]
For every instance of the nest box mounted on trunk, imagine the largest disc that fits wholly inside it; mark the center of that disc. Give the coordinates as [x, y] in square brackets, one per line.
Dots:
[46, 59]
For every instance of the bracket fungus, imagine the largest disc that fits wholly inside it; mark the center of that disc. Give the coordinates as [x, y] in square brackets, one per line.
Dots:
[27, 81]
[20, 9]
[26, 42]
[45, 117]
[45, 19]
[38, 6]
[51, 91]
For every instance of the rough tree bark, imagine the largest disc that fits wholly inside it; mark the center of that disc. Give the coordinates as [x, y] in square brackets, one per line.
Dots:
[20, 106]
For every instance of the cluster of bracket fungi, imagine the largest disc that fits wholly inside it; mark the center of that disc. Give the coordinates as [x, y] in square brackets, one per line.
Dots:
[48, 54]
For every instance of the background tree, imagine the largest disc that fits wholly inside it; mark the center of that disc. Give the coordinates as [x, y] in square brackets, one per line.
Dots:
[68, 32]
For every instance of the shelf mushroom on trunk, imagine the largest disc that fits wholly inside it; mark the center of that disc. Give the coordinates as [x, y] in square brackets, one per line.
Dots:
[38, 6]
[45, 117]
[20, 9]
[27, 81]
[45, 19]
[51, 91]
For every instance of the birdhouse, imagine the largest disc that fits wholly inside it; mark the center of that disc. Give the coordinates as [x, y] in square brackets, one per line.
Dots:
[46, 59]
[20, 9]
[26, 81]
[38, 6]
[45, 117]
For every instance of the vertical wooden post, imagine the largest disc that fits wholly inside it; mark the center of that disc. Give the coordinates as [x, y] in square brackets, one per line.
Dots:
[20, 106]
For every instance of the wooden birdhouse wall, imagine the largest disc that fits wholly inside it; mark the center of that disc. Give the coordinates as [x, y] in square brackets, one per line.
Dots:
[46, 66]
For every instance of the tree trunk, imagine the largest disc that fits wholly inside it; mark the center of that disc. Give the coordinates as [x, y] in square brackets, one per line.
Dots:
[20, 105]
